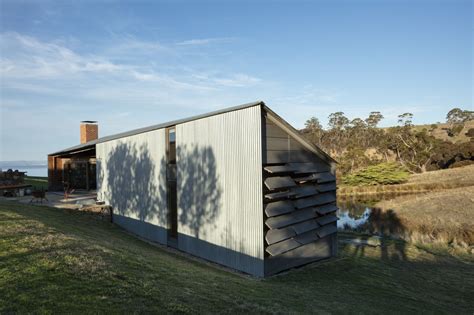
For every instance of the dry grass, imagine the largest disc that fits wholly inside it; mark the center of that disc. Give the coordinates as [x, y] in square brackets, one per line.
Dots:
[429, 181]
[440, 132]
[462, 176]
[444, 216]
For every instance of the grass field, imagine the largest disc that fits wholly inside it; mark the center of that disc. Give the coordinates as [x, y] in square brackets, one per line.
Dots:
[37, 182]
[56, 261]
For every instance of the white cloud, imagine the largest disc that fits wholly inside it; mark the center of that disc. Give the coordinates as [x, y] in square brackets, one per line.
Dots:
[237, 80]
[27, 58]
[204, 41]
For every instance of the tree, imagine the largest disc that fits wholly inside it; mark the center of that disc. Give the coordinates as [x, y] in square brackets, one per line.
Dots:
[456, 118]
[314, 130]
[459, 116]
[338, 121]
[313, 124]
[358, 123]
[405, 119]
[374, 119]
[414, 150]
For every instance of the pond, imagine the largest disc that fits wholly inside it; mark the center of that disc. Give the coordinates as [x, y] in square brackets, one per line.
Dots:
[357, 212]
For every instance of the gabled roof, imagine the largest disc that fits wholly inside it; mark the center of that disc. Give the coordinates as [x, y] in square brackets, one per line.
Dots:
[295, 133]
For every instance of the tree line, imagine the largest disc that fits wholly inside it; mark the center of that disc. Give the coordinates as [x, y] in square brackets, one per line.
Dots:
[360, 143]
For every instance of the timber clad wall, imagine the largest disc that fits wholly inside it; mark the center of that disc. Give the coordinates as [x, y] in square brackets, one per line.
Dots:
[220, 199]
[300, 202]
[55, 173]
[131, 177]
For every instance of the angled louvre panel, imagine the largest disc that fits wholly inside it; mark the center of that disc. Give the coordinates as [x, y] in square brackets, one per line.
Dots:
[279, 182]
[326, 219]
[326, 230]
[281, 247]
[277, 235]
[278, 195]
[315, 200]
[309, 167]
[291, 218]
[320, 177]
[305, 226]
[304, 254]
[325, 177]
[326, 187]
[304, 191]
[277, 169]
[307, 237]
[278, 208]
[304, 179]
[322, 210]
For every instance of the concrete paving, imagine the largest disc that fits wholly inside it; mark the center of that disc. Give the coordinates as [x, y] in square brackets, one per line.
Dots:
[76, 200]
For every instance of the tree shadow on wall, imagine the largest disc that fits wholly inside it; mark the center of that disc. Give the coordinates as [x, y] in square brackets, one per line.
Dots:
[198, 188]
[136, 186]
[133, 183]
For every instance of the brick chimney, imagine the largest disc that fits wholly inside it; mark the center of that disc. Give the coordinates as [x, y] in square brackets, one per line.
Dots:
[89, 131]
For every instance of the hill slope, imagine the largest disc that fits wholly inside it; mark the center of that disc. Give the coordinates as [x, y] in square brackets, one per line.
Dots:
[440, 132]
[63, 262]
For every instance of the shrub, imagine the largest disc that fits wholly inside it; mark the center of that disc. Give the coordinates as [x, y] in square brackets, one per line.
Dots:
[455, 130]
[470, 133]
[380, 174]
[461, 163]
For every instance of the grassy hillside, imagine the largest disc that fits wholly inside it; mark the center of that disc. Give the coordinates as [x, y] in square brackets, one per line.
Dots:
[64, 262]
[440, 132]
[446, 216]
[429, 181]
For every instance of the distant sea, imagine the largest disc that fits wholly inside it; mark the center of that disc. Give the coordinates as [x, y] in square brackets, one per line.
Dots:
[32, 168]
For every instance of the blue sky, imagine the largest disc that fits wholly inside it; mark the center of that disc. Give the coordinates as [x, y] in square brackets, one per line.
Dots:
[133, 64]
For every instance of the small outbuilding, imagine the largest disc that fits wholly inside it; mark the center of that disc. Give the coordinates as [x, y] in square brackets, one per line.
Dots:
[239, 187]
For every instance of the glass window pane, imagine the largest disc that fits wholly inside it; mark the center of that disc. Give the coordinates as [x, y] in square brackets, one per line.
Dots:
[172, 136]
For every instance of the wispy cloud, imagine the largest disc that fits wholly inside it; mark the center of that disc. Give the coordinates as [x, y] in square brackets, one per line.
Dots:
[26, 58]
[204, 41]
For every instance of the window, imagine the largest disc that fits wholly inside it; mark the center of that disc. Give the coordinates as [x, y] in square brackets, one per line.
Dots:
[171, 146]
[171, 186]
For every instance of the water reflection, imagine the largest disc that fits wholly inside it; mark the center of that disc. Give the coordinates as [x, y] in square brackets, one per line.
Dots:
[350, 221]
[354, 212]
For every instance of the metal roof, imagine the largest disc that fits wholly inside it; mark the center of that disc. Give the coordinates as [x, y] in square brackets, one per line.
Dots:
[154, 127]
[92, 143]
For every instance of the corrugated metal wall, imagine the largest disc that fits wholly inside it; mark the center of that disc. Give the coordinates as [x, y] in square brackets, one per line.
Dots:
[131, 177]
[220, 203]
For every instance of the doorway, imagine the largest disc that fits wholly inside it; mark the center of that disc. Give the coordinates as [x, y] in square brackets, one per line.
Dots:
[172, 197]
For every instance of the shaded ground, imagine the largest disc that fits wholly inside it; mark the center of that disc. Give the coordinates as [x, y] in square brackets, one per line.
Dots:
[69, 262]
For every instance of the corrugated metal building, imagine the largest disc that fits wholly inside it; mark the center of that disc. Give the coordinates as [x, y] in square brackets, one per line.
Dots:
[239, 187]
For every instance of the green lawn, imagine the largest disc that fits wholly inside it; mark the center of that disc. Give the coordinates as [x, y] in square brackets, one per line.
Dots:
[37, 182]
[64, 262]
